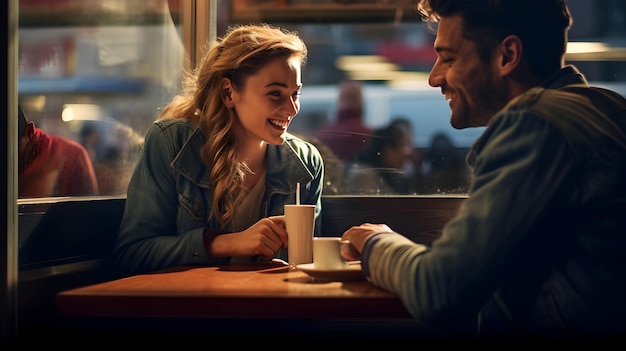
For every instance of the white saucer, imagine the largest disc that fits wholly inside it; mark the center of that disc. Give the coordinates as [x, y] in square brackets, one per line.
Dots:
[350, 272]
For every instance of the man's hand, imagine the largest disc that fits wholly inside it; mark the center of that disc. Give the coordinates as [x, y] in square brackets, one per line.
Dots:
[357, 236]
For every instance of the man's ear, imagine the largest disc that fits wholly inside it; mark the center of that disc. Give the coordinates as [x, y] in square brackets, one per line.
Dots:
[510, 51]
[226, 89]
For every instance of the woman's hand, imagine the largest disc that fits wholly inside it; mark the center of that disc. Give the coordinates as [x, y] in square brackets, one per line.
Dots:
[263, 238]
[357, 236]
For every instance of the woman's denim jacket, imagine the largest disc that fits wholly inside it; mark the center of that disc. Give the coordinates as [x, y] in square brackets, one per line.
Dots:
[169, 196]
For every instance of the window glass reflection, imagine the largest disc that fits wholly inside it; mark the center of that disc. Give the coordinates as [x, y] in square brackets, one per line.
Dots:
[96, 73]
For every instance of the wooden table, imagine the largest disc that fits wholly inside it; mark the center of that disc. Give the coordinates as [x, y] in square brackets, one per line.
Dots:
[259, 290]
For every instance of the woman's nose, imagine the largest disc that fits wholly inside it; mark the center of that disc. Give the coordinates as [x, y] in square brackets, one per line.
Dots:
[292, 106]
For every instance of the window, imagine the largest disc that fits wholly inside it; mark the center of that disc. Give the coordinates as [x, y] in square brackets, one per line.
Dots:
[392, 56]
[97, 72]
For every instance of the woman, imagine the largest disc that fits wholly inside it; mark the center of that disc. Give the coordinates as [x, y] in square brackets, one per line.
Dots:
[218, 164]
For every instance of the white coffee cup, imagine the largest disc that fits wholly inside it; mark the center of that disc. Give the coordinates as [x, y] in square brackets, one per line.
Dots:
[327, 253]
[300, 225]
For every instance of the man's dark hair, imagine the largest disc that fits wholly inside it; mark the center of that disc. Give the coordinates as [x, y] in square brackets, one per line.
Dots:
[541, 25]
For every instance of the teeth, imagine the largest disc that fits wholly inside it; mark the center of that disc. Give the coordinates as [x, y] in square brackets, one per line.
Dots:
[279, 123]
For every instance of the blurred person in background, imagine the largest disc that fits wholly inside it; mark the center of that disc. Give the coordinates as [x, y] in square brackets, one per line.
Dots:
[91, 139]
[51, 165]
[537, 249]
[218, 165]
[347, 135]
[113, 157]
[381, 168]
[413, 165]
[333, 167]
[444, 169]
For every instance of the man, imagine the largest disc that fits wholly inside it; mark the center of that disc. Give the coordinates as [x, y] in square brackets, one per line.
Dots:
[50, 165]
[538, 248]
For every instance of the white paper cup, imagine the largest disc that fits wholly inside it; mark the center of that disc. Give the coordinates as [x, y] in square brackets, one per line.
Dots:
[300, 225]
[327, 253]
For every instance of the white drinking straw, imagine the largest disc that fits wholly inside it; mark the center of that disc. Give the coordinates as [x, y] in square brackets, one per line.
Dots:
[297, 193]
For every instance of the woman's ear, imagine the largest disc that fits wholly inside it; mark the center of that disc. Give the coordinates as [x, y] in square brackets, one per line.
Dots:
[227, 92]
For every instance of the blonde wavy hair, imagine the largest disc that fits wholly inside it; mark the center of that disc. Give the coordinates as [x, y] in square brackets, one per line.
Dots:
[241, 52]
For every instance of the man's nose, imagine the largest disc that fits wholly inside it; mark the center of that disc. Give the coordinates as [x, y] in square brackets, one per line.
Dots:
[436, 76]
